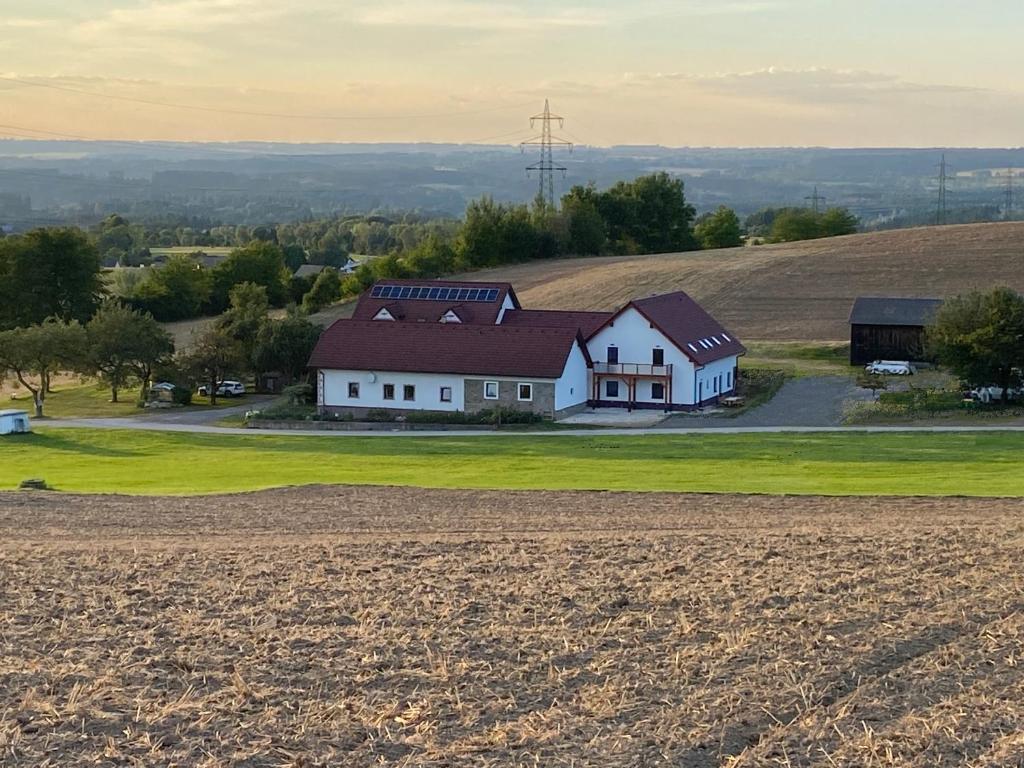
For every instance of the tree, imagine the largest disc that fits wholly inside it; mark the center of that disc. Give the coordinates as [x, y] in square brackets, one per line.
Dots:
[33, 353]
[214, 354]
[122, 344]
[587, 231]
[285, 345]
[48, 273]
[838, 221]
[720, 229]
[325, 291]
[178, 290]
[246, 315]
[980, 338]
[259, 262]
[294, 256]
[649, 215]
[794, 224]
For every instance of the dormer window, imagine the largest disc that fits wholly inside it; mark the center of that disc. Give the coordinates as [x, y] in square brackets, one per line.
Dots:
[383, 314]
[450, 317]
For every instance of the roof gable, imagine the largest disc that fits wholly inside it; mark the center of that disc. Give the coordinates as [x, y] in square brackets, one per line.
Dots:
[686, 325]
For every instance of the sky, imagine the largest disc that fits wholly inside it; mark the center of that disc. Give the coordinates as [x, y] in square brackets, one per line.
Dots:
[841, 73]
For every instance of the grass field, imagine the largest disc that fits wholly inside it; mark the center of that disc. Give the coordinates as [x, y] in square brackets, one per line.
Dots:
[791, 291]
[979, 464]
[92, 401]
[407, 628]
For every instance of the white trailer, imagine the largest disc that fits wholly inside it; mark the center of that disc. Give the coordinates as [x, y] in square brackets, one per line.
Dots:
[14, 422]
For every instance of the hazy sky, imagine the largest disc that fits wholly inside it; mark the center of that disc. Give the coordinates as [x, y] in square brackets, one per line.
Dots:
[674, 72]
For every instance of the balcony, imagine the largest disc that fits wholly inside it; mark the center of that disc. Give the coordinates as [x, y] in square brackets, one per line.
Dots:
[633, 369]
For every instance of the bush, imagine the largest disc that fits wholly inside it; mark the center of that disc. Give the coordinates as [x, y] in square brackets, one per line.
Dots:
[181, 395]
[379, 414]
[299, 394]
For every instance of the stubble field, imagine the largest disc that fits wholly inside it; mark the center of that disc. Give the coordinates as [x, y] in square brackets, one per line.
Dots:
[407, 627]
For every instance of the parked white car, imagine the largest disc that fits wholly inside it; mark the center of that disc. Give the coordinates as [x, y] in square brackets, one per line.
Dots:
[225, 389]
[890, 368]
[993, 394]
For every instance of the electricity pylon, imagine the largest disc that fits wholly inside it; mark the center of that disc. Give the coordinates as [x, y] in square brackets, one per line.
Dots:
[547, 142]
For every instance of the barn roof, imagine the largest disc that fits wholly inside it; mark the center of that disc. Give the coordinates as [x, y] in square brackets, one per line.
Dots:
[686, 324]
[869, 310]
[484, 350]
[586, 322]
[428, 300]
[310, 270]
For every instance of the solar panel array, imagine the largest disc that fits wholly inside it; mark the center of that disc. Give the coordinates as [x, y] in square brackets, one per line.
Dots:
[434, 293]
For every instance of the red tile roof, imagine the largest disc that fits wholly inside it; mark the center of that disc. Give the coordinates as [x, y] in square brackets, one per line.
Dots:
[586, 322]
[431, 311]
[687, 325]
[484, 350]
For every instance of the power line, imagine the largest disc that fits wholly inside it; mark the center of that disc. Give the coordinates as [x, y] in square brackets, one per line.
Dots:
[1008, 210]
[940, 211]
[815, 199]
[546, 141]
[249, 113]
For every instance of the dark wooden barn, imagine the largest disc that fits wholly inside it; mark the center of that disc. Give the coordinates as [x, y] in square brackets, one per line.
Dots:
[889, 329]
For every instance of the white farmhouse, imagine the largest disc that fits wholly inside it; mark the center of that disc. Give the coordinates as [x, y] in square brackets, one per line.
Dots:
[464, 346]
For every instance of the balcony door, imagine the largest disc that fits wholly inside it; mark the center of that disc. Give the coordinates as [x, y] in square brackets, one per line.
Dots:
[613, 355]
[658, 357]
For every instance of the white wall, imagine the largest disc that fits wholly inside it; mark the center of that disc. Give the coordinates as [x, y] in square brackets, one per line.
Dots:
[371, 393]
[571, 388]
[717, 378]
[506, 305]
[636, 340]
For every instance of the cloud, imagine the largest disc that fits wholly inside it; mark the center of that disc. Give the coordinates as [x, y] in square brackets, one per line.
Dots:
[469, 14]
[816, 85]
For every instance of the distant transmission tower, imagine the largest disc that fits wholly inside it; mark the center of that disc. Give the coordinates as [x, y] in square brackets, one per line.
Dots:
[940, 211]
[1008, 210]
[815, 199]
[547, 142]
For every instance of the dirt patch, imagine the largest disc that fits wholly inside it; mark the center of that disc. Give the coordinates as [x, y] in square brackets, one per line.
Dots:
[403, 627]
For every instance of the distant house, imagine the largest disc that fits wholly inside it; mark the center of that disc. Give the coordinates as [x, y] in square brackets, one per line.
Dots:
[313, 270]
[442, 345]
[889, 328]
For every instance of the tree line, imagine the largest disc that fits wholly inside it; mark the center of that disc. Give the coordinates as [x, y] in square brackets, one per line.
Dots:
[56, 315]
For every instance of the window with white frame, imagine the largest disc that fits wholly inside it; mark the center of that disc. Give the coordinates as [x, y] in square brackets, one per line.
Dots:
[409, 392]
[611, 389]
[657, 390]
[525, 391]
[490, 390]
[446, 394]
[353, 390]
[389, 391]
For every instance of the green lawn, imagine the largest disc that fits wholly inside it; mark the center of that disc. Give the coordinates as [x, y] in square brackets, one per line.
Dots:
[982, 464]
[90, 401]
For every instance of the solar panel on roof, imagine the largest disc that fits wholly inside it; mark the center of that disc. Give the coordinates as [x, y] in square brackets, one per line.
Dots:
[434, 293]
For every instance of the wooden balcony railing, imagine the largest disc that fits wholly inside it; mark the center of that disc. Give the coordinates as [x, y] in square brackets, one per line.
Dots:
[633, 369]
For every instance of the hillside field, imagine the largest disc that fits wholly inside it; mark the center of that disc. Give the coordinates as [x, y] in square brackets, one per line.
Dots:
[852, 463]
[787, 292]
[412, 628]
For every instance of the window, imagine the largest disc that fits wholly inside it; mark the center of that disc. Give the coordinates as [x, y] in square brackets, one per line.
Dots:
[525, 391]
[490, 390]
[657, 390]
[611, 389]
[728, 380]
[389, 391]
[446, 394]
[613, 355]
[658, 356]
[409, 392]
[353, 390]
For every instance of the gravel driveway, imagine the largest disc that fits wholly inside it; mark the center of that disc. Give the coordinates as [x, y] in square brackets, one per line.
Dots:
[811, 401]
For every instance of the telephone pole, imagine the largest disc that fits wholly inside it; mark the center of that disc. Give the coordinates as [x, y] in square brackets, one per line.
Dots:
[547, 142]
[815, 199]
[940, 211]
[1008, 209]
